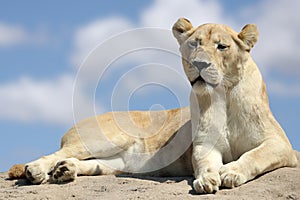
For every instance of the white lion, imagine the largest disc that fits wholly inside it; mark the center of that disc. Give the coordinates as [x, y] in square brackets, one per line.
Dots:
[236, 135]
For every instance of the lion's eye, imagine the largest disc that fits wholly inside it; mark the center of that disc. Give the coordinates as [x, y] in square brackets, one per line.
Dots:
[193, 44]
[221, 47]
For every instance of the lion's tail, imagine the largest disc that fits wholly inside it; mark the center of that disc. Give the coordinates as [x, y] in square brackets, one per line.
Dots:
[17, 171]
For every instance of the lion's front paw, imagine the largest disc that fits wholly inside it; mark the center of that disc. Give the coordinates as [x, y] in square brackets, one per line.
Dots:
[208, 182]
[36, 173]
[63, 171]
[232, 176]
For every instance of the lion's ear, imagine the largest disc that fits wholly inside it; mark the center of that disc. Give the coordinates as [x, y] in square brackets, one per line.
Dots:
[180, 29]
[249, 35]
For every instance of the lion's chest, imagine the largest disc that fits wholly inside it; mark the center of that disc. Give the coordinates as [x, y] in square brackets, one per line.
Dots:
[243, 127]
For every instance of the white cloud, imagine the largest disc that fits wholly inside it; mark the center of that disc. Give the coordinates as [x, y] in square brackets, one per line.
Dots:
[11, 35]
[35, 100]
[89, 36]
[165, 13]
[279, 25]
[147, 80]
[48, 101]
[284, 89]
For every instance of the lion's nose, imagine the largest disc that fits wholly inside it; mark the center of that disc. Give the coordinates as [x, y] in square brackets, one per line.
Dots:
[200, 64]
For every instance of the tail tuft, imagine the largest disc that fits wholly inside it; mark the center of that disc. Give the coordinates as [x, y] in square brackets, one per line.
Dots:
[17, 171]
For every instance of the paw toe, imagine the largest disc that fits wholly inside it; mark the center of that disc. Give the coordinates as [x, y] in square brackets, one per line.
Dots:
[232, 178]
[64, 171]
[207, 183]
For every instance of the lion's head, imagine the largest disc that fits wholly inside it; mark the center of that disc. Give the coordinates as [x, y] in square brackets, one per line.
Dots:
[214, 53]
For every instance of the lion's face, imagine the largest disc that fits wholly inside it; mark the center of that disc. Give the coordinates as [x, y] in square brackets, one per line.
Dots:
[213, 53]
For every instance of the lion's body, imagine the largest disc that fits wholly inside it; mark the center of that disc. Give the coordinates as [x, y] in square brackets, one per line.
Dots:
[236, 135]
[111, 144]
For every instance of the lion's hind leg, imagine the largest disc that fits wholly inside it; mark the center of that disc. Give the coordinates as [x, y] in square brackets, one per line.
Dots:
[67, 170]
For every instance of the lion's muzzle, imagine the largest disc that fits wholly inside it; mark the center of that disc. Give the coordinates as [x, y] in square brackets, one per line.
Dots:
[207, 72]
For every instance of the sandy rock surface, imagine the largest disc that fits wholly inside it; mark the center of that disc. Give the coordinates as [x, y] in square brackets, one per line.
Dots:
[283, 183]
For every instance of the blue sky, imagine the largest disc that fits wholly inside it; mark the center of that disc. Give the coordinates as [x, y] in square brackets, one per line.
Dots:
[43, 43]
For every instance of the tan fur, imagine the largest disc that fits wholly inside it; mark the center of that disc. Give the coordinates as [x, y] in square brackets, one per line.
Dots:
[16, 171]
[108, 143]
[236, 135]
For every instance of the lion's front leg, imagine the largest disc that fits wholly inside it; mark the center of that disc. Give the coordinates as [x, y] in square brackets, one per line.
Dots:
[208, 116]
[206, 163]
[270, 155]
[67, 170]
[37, 171]
[232, 174]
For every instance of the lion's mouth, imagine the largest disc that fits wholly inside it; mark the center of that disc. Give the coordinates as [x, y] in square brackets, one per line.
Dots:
[198, 79]
[201, 80]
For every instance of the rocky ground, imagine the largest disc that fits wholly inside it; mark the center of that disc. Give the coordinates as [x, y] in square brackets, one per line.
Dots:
[283, 183]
